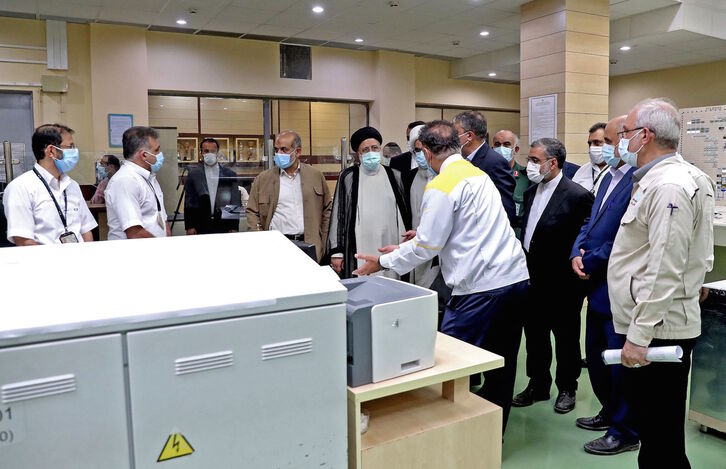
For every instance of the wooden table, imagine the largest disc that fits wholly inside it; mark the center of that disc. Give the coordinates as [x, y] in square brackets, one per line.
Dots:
[428, 419]
[99, 213]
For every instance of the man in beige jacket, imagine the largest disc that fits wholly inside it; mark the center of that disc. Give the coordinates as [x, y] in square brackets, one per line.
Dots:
[662, 251]
[292, 197]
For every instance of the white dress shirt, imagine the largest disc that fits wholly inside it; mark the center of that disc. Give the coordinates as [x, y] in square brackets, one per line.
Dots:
[589, 176]
[31, 213]
[464, 223]
[288, 217]
[471, 155]
[212, 174]
[134, 198]
[617, 176]
[542, 197]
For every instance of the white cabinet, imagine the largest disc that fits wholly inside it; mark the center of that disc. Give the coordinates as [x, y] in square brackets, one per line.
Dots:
[262, 391]
[63, 405]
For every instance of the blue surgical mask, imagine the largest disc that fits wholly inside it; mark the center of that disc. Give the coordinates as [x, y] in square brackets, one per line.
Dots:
[69, 161]
[159, 161]
[283, 160]
[506, 152]
[421, 160]
[101, 171]
[371, 160]
[608, 154]
[626, 155]
[433, 172]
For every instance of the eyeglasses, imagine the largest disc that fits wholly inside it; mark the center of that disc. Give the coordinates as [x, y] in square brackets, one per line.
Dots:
[625, 131]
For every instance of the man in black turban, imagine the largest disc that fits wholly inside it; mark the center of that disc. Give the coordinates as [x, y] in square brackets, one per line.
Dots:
[369, 208]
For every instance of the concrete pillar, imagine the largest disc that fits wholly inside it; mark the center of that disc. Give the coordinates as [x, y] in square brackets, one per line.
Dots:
[565, 50]
[395, 96]
[119, 82]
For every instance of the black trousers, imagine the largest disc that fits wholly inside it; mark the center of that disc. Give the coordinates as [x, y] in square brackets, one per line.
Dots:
[608, 380]
[656, 396]
[491, 320]
[559, 314]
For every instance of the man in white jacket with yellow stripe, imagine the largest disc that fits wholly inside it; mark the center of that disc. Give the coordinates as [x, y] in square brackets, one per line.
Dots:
[464, 222]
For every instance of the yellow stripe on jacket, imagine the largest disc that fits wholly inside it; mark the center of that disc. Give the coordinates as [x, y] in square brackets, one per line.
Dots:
[452, 175]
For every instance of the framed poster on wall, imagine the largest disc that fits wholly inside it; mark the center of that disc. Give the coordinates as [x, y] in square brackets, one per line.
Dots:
[117, 125]
[186, 149]
[542, 117]
[248, 149]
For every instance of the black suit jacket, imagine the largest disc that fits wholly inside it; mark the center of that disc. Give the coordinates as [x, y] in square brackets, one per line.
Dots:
[197, 210]
[499, 171]
[548, 257]
[402, 163]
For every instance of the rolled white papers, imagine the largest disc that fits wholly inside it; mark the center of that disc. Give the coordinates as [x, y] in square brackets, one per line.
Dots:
[654, 354]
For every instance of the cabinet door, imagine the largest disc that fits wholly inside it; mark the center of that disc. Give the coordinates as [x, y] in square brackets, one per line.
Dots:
[62, 405]
[258, 392]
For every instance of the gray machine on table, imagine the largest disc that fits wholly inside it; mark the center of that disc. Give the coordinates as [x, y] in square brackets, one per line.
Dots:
[244, 375]
[391, 329]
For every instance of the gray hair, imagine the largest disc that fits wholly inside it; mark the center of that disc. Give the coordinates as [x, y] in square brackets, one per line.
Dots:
[553, 148]
[473, 121]
[137, 138]
[296, 140]
[660, 116]
[441, 138]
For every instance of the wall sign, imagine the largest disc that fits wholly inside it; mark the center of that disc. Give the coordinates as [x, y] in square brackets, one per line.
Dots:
[117, 125]
[542, 117]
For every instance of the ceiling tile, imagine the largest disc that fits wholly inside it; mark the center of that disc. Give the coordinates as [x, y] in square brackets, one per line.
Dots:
[245, 15]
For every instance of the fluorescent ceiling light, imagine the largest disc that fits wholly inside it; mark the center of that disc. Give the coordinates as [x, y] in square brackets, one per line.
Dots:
[359, 40]
[181, 22]
[484, 33]
[625, 48]
[492, 74]
[318, 9]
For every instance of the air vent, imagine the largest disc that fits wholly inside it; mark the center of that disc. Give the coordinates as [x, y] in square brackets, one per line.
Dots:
[287, 349]
[295, 62]
[36, 388]
[199, 363]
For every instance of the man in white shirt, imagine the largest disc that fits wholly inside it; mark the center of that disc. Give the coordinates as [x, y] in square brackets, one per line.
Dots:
[46, 206]
[292, 197]
[464, 224]
[554, 211]
[591, 173]
[134, 200]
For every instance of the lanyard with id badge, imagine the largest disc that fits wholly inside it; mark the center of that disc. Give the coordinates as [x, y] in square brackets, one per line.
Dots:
[67, 236]
[159, 219]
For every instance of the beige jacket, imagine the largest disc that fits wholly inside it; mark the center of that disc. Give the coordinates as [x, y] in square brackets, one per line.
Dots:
[317, 204]
[662, 251]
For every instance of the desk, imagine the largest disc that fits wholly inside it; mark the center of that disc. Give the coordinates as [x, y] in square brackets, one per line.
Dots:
[99, 213]
[428, 419]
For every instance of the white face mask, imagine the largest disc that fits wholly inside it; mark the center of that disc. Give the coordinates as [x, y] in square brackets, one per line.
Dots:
[210, 159]
[596, 155]
[534, 172]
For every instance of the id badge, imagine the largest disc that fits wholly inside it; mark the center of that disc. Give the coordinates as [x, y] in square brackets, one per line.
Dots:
[160, 220]
[68, 237]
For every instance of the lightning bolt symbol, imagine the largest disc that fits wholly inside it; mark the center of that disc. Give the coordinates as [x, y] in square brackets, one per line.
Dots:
[175, 443]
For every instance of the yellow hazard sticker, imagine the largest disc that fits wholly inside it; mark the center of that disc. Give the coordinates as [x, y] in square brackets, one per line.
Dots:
[176, 446]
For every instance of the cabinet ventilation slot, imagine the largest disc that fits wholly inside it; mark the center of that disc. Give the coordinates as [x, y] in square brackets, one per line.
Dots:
[287, 349]
[36, 388]
[209, 361]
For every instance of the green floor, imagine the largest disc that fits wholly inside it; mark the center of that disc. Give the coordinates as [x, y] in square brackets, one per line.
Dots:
[539, 438]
